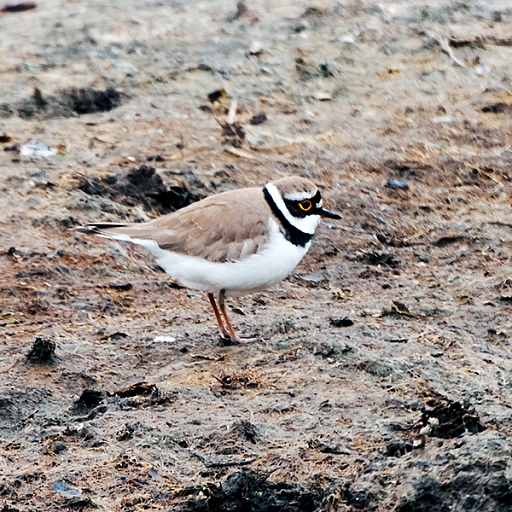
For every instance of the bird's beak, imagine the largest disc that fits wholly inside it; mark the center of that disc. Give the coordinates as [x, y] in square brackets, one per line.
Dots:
[326, 213]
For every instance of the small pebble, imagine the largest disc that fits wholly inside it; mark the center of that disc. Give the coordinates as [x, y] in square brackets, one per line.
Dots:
[37, 149]
[59, 447]
[164, 339]
[497, 16]
[397, 185]
[341, 322]
[258, 118]
[482, 70]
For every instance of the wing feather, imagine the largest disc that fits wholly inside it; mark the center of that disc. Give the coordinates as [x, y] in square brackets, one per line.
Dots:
[220, 228]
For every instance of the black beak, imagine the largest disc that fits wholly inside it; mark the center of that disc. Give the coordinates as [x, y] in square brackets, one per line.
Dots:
[326, 213]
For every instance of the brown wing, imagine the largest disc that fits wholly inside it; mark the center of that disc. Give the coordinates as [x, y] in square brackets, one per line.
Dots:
[220, 228]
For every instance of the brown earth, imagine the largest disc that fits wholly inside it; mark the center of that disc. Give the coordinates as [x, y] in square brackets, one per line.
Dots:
[382, 376]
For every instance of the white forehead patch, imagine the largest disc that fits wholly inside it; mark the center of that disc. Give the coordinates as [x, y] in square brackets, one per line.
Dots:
[298, 196]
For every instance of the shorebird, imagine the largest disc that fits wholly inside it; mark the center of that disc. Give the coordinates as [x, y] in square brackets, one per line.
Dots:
[233, 243]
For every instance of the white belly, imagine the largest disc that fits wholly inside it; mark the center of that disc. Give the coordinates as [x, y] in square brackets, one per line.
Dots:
[257, 272]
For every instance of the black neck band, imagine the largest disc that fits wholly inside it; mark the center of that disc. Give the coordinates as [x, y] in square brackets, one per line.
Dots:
[291, 233]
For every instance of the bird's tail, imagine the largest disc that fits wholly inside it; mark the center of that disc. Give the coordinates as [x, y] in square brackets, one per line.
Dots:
[100, 229]
[133, 233]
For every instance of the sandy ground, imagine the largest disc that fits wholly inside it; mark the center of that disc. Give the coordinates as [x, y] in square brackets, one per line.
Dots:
[381, 378]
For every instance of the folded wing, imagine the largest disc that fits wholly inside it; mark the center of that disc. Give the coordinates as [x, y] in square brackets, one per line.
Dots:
[221, 228]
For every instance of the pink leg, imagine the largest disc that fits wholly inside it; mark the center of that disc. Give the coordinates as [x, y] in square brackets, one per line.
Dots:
[222, 330]
[235, 338]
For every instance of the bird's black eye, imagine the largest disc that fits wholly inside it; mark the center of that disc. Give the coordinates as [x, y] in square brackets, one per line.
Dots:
[306, 205]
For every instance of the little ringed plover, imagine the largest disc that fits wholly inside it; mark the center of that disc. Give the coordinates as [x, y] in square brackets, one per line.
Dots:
[233, 243]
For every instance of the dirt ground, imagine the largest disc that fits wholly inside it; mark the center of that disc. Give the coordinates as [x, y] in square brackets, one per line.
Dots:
[382, 375]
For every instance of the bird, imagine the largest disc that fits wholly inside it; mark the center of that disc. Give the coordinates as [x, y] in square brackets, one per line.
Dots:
[232, 243]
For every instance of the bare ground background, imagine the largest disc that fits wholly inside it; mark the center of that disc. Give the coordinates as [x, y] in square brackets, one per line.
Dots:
[408, 408]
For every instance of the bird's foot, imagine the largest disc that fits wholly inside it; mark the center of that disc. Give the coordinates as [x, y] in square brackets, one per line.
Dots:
[237, 338]
[243, 338]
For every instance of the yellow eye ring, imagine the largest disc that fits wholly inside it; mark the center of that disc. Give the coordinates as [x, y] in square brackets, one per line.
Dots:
[306, 205]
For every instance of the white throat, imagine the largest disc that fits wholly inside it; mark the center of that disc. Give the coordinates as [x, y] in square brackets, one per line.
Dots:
[306, 224]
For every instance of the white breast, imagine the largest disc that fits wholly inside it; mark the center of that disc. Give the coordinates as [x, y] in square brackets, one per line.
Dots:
[259, 271]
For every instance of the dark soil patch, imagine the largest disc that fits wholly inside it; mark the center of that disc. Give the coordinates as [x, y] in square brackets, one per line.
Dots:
[450, 419]
[250, 491]
[42, 351]
[142, 185]
[75, 101]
